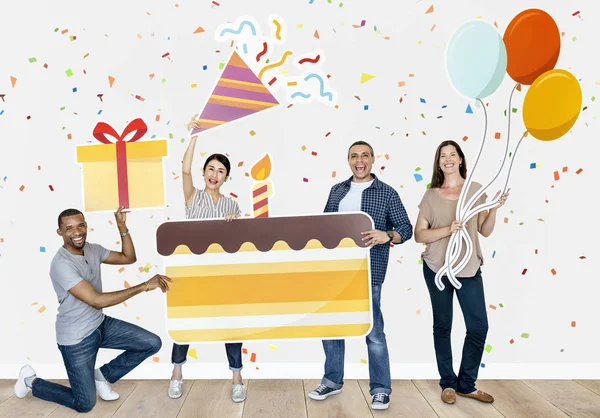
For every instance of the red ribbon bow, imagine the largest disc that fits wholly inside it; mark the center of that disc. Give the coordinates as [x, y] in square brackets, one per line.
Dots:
[139, 127]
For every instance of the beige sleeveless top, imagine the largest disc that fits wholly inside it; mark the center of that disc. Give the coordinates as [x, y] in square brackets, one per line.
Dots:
[439, 212]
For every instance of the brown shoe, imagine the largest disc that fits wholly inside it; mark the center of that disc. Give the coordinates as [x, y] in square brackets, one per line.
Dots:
[449, 395]
[479, 395]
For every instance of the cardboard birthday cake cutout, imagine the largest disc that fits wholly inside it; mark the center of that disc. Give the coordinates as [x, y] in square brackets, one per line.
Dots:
[278, 278]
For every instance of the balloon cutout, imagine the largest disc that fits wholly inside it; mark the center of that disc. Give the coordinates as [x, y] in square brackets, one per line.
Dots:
[552, 105]
[476, 59]
[550, 109]
[532, 43]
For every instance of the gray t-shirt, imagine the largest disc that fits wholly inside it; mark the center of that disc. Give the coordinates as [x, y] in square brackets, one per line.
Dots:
[76, 319]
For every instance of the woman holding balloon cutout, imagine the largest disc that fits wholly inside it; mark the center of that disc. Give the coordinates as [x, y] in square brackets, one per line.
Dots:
[435, 225]
[477, 59]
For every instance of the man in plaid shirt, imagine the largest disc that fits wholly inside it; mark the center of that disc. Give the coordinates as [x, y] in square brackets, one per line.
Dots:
[365, 192]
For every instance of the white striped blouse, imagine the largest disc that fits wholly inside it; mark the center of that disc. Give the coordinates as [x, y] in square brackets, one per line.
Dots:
[203, 207]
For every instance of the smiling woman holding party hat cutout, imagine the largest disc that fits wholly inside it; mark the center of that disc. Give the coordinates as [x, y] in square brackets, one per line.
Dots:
[204, 204]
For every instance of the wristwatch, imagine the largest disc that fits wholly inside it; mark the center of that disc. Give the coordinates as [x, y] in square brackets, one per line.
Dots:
[124, 234]
[391, 235]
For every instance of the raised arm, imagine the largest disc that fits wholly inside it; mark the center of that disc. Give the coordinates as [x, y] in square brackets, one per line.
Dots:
[85, 292]
[186, 169]
[127, 254]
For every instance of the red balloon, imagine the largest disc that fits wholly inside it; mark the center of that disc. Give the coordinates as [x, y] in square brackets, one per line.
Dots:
[532, 44]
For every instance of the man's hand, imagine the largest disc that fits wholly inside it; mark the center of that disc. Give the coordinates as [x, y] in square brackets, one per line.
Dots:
[375, 237]
[158, 281]
[121, 217]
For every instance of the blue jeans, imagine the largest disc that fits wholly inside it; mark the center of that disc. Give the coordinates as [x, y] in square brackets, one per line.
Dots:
[380, 380]
[472, 303]
[80, 360]
[233, 350]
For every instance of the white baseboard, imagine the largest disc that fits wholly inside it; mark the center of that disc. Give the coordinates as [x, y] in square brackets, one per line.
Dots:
[400, 371]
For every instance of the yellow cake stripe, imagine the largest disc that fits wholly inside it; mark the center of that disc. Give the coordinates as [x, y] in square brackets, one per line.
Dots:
[266, 268]
[269, 288]
[336, 306]
[266, 333]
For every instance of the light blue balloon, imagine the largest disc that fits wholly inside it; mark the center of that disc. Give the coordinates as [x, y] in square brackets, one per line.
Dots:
[476, 59]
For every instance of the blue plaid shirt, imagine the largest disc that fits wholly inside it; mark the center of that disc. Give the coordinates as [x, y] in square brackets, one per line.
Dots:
[383, 204]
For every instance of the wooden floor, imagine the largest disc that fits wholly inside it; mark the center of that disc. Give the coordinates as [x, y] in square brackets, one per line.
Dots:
[287, 398]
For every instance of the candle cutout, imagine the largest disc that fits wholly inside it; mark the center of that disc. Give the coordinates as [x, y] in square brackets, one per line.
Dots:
[262, 187]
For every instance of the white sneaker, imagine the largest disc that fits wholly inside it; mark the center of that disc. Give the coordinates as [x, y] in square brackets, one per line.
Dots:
[105, 392]
[238, 392]
[21, 389]
[175, 389]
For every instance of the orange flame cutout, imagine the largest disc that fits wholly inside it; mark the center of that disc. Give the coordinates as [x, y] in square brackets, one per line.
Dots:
[262, 169]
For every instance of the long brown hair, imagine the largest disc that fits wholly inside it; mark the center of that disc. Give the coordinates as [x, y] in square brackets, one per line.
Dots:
[437, 179]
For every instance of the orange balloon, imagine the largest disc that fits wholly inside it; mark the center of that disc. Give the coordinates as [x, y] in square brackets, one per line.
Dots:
[532, 44]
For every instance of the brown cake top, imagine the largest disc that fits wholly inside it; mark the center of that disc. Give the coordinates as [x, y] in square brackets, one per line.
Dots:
[329, 229]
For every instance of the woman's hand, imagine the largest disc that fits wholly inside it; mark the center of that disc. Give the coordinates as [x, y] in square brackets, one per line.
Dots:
[456, 226]
[158, 281]
[194, 123]
[231, 217]
[502, 199]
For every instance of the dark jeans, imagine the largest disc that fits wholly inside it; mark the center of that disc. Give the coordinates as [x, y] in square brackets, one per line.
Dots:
[472, 303]
[233, 350]
[379, 360]
[80, 360]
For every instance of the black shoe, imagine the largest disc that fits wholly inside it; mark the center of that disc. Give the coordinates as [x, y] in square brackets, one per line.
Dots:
[322, 392]
[380, 401]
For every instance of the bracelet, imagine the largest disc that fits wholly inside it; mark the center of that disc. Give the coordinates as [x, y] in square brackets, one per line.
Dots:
[124, 234]
[146, 283]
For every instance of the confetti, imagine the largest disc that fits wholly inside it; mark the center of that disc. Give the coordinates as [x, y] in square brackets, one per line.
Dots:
[69, 72]
[305, 180]
[418, 177]
[469, 110]
[316, 34]
[493, 307]
[366, 107]
[553, 272]
[192, 353]
[497, 135]
[363, 361]
[122, 269]
[430, 10]
[366, 77]
[512, 341]
[13, 81]
[155, 359]
[579, 171]
[333, 174]
[253, 357]
[126, 285]
[51, 188]
[533, 165]
[524, 271]
[42, 249]
[244, 350]
[111, 80]
[22, 188]
[42, 309]
[272, 347]
[32, 59]
[573, 324]
[524, 335]
[200, 29]
[488, 348]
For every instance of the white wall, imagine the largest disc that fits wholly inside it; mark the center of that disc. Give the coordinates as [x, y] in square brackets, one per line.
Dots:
[561, 229]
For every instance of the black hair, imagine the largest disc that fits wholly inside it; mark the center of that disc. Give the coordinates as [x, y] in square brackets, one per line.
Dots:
[220, 158]
[361, 143]
[67, 212]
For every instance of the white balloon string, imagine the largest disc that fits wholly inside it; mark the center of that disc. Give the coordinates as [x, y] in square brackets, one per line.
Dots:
[481, 191]
[461, 198]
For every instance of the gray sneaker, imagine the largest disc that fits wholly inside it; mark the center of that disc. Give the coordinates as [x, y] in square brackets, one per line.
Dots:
[238, 392]
[175, 389]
